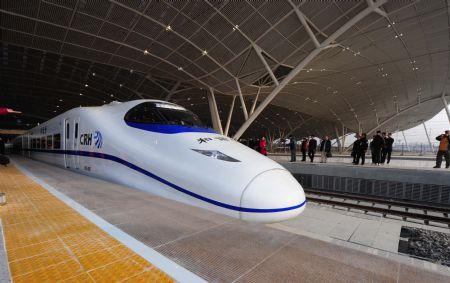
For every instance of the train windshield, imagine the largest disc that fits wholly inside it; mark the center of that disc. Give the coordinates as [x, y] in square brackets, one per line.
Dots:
[162, 113]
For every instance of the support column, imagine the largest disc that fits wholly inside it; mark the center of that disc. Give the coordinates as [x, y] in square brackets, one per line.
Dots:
[214, 111]
[172, 91]
[230, 114]
[446, 106]
[428, 137]
[343, 138]
[337, 138]
[255, 101]
[244, 108]
[406, 143]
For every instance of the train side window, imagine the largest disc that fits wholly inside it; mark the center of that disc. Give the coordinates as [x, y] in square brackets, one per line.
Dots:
[43, 143]
[33, 143]
[57, 141]
[76, 130]
[38, 143]
[49, 142]
[67, 131]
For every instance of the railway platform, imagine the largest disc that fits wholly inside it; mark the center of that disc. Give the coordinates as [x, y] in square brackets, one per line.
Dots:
[135, 233]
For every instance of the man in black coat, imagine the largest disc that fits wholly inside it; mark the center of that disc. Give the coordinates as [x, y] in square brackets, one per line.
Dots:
[377, 145]
[361, 149]
[293, 148]
[387, 150]
[312, 146]
[325, 148]
[355, 148]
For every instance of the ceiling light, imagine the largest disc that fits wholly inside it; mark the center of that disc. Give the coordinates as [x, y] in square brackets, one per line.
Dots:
[168, 28]
[60, 100]
[180, 68]
[86, 85]
[57, 106]
[204, 52]
[120, 85]
[93, 74]
[112, 95]
[81, 94]
[235, 27]
[145, 52]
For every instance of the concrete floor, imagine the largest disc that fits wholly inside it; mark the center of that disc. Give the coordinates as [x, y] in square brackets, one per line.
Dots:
[218, 248]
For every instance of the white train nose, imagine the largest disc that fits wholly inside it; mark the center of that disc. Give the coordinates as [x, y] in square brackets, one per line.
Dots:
[272, 196]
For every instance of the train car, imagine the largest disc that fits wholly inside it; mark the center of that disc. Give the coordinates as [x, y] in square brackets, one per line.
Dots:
[164, 149]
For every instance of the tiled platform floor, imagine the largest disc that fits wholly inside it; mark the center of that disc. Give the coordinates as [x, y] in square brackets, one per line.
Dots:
[221, 249]
[47, 241]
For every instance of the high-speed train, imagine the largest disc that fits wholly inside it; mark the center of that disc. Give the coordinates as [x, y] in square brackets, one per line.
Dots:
[164, 149]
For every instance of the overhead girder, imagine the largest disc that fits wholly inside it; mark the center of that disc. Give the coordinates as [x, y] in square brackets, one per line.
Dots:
[325, 44]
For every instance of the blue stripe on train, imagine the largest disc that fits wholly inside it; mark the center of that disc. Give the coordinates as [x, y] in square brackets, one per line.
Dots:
[178, 188]
[169, 129]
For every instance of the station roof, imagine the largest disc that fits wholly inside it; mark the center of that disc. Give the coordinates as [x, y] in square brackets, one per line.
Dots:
[386, 71]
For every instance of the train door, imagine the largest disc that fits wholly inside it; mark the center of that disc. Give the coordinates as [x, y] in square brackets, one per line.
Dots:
[76, 143]
[29, 145]
[68, 144]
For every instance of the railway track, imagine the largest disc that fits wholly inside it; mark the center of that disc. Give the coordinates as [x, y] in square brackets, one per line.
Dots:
[406, 210]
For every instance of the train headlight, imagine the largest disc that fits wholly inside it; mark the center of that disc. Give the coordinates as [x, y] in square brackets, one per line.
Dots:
[216, 154]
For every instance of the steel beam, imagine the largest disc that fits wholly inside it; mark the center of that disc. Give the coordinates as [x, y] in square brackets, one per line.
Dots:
[298, 126]
[337, 137]
[305, 24]
[255, 101]
[230, 114]
[343, 138]
[258, 51]
[446, 106]
[244, 108]
[428, 137]
[406, 143]
[214, 111]
[313, 54]
[172, 91]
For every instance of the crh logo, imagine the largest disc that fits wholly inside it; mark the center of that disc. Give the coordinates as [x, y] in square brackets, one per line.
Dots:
[98, 139]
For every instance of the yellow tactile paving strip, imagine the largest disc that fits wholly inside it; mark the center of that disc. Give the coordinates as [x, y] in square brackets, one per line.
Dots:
[48, 241]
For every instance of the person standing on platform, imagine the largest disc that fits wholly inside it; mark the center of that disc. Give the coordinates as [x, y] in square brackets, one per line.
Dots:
[355, 148]
[304, 148]
[444, 150]
[325, 149]
[377, 144]
[372, 152]
[387, 150]
[263, 146]
[383, 149]
[361, 149]
[312, 146]
[293, 148]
